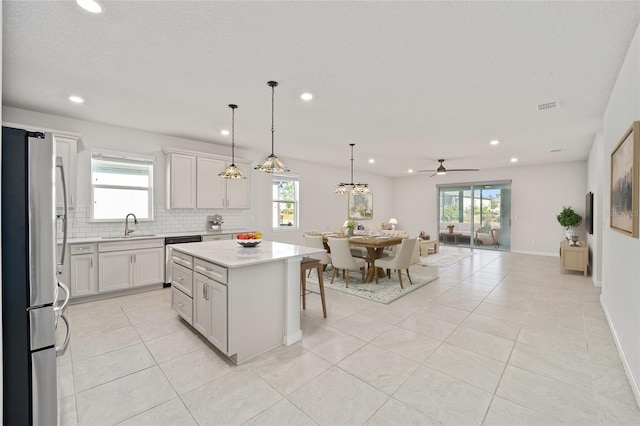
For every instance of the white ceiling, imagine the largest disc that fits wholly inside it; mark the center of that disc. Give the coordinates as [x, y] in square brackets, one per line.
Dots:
[408, 82]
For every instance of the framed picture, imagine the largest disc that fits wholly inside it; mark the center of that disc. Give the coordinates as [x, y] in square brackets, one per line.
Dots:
[360, 206]
[624, 181]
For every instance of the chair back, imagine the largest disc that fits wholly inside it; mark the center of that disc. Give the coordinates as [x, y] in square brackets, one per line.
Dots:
[315, 241]
[405, 253]
[495, 234]
[341, 253]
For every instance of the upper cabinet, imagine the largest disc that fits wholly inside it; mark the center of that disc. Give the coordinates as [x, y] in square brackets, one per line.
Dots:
[67, 148]
[193, 182]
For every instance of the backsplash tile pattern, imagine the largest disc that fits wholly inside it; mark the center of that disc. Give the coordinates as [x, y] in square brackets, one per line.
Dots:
[165, 221]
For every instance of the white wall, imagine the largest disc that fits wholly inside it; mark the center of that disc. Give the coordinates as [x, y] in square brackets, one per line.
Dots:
[322, 209]
[595, 184]
[620, 253]
[1, 378]
[538, 194]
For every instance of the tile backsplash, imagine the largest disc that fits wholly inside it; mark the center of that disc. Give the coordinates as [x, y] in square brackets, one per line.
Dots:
[165, 221]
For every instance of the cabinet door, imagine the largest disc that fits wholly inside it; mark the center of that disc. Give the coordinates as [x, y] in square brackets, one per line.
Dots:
[115, 270]
[217, 294]
[201, 307]
[182, 181]
[238, 190]
[210, 186]
[83, 275]
[148, 266]
[66, 147]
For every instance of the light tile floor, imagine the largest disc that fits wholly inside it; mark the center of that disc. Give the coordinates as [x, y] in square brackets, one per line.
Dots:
[499, 338]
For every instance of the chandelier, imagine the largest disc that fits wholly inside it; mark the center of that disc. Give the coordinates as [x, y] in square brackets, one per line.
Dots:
[272, 164]
[232, 172]
[352, 188]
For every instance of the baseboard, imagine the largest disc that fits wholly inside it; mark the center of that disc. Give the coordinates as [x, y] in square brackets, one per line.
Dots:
[623, 358]
[537, 253]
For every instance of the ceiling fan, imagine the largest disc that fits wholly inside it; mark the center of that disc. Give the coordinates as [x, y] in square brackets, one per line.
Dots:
[441, 170]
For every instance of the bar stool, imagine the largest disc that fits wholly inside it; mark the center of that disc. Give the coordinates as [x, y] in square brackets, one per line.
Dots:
[307, 264]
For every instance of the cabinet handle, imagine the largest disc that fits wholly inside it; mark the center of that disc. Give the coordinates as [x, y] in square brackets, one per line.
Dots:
[135, 258]
[180, 304]
[91, 263]
[204, 291]
[207, 286]
[180, 278]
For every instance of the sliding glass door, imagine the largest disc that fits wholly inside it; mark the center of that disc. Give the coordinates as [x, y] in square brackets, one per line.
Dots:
[475, 215]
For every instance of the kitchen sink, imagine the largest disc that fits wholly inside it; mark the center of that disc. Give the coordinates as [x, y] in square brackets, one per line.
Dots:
[130, 236]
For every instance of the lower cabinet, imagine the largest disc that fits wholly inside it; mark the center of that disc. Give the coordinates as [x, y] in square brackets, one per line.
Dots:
[124, 265]
[210, 310]
[83, 270]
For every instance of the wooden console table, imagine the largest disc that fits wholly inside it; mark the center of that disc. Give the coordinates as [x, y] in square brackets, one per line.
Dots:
[575, 258]
[445, 235]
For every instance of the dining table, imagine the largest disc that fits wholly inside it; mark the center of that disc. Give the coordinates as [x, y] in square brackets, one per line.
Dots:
[375, 248]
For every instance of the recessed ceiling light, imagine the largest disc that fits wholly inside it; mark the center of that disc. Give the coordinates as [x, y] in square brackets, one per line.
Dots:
[306, 96]
[410, 171]
[494, 142]
[76, 99]
[224, 132]
[90, 5]
[514, 160]
[371, 161]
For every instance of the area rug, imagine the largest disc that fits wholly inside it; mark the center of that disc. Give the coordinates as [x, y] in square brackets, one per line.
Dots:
[445, 259]
[386, 291]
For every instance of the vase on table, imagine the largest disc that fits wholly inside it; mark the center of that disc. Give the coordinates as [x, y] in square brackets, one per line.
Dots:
[350, 232]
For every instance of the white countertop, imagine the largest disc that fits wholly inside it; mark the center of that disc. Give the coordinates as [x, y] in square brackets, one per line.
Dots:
[143, 236]
[230, 254]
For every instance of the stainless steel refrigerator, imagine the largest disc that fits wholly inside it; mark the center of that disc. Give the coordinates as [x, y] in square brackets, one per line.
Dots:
[30, 300]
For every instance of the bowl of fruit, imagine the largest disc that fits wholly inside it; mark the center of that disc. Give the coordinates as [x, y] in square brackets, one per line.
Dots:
[249, 239]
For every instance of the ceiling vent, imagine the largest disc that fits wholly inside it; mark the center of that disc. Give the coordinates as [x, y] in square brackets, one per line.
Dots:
[547, 105]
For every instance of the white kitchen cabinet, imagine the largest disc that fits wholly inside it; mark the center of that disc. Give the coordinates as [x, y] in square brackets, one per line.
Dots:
[238, 190]
[181, 181]
[125, 264]
[83, 280]
[210, 187]
[210, 310]
[67, 148]
[116, 271]
[193, 182]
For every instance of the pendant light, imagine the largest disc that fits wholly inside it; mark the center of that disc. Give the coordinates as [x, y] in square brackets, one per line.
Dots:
[352, 188]
[232, 172]
[272, 164]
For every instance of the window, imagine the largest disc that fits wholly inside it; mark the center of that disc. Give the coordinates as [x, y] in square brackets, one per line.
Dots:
[121, 184]
[285, 202]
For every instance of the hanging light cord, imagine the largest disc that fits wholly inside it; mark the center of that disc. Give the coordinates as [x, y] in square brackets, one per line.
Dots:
[233, 133]
[352, 144]
[273, 85]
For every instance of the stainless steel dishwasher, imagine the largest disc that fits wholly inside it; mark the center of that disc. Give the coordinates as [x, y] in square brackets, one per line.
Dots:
[168, 242]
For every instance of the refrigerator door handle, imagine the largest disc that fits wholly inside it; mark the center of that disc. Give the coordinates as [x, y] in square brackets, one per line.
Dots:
[58, 310]
[60, 165]
[60, 350]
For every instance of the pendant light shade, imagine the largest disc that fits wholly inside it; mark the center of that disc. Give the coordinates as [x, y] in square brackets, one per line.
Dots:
[272, 164]
[352, 188]
[232, 172]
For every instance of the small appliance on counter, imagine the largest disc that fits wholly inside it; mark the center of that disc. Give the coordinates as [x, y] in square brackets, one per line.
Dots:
[214, 223]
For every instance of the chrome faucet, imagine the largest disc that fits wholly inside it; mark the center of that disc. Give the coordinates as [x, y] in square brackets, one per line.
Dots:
[128, 231]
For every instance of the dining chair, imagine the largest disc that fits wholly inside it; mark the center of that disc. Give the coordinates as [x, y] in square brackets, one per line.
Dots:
[341, 258]
[401, 261]
[495, 235]
[315, 241]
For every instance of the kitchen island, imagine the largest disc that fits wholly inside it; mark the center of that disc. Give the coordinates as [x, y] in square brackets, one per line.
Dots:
[243, 300]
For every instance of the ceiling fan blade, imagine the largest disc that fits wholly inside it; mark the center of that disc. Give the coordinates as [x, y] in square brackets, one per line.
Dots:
[426, 170]
[433, 175]
[463, 170]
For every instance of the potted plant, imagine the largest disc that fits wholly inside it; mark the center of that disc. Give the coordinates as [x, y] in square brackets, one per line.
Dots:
[450, 228]
[569, 219]
[351, 225]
